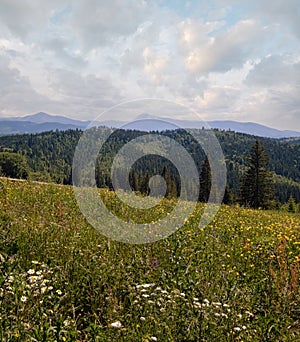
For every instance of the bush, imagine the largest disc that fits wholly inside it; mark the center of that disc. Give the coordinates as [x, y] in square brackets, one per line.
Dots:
[13, 165]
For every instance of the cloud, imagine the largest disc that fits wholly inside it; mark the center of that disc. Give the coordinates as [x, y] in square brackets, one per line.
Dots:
[102, 22]
[225, 58]
[226, 50]
[275, 71]
[24, 17]
[16, 91]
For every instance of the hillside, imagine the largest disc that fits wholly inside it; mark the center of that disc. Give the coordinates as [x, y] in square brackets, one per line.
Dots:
[61, 280]
[50, 154]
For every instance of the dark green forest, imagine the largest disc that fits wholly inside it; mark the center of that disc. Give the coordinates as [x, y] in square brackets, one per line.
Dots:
[49, 158]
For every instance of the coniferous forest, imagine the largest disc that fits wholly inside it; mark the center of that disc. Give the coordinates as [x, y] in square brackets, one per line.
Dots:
[48, 157]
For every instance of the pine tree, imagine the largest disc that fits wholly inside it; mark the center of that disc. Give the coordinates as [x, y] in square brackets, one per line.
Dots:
[228, 196]
[256, 187]
[171, 184]
[205, 181]
[291, 205]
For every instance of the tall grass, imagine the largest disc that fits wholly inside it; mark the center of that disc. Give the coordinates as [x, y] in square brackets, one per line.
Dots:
[61, 280]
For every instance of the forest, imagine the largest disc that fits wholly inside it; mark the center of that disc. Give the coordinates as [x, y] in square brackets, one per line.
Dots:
[49, 155]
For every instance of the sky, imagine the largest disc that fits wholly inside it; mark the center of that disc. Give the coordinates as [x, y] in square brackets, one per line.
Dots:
[226, 59]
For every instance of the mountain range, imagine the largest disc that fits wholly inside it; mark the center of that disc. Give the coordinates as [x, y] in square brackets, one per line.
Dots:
[42, 122]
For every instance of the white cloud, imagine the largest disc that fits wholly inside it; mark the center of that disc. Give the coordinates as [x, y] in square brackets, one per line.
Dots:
[275, 71]
[227, 50]
[227, 58]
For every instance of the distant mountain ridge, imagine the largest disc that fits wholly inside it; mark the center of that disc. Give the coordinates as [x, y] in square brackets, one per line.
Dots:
[41, 122]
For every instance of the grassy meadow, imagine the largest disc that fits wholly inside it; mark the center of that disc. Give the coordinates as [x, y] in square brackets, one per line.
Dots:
[61, 280]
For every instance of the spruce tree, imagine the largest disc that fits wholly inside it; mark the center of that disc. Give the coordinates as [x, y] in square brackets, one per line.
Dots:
[205, 181]
[256, 187]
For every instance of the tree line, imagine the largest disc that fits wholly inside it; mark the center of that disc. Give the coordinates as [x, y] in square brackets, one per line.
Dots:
[48, 157]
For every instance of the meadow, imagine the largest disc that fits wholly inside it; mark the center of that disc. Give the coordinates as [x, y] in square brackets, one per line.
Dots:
[61, 280]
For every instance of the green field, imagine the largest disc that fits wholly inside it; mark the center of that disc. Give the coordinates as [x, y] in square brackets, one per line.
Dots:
[61, 280]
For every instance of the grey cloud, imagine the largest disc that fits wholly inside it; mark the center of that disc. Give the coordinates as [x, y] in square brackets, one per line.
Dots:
[87, 88]
[16, 91]
[100, 22]
[274, 71]
[24, 17]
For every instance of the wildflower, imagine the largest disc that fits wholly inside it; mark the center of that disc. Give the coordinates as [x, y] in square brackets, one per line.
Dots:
[34, 262]
[145, 295]
[10, 279]
[116, 324]
[142, 318]
[206, 301]
[66, 322]
[237, 329]
[31, 271]
[155, 263]
[145, 286]
[153, 338]
[216, 303]
[43, 289]
[23, 299]
[59, 292]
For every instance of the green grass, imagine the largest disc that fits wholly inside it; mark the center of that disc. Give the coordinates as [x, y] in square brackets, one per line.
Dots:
[60, 280]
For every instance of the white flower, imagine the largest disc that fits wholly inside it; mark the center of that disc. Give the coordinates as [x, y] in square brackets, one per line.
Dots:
[35, 262]
[31, 271]
[145, 295]
[145, 286]
[226, 305]
[142, 318]
[66, 322]
[216, 304]
[153, 338]
[195, 299]
[58, 292]
[10, 279]
[116, 324]
[23, 299]
[43, 289]
[237, 329]
[206, 301]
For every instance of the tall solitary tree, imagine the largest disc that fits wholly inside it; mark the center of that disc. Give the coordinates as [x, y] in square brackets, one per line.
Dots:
[256, 186]
[205, 181]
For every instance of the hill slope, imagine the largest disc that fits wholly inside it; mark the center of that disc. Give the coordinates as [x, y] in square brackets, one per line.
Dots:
[51, 153]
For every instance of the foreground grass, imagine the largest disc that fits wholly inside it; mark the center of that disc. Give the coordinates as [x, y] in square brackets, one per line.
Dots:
[60, 280]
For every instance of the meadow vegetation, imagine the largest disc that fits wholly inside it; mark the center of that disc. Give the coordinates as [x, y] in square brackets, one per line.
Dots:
[61, 280]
